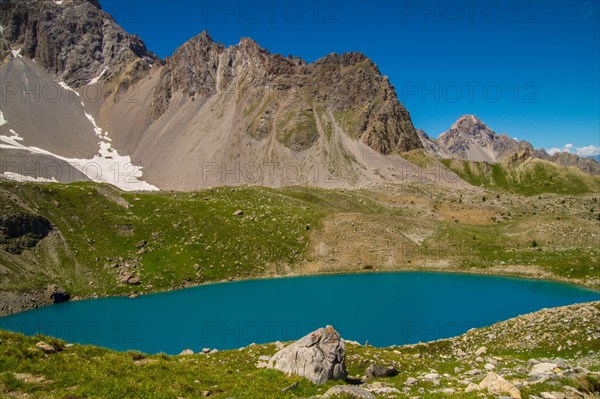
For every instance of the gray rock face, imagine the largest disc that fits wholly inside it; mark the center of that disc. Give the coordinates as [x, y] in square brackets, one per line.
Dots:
[20, 231]
[319, 357]
[349, 85]
[74, 40]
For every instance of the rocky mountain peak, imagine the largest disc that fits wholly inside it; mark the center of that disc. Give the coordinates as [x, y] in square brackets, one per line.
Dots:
[470, 138]
[473, 126]
[74, 40]
[349, 85]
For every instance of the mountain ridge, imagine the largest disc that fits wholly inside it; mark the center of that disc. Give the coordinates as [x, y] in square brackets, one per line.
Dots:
[471, 139]
[207, 104]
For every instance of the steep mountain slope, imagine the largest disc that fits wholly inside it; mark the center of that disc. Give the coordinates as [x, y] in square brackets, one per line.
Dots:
[432, 146]
[96, 102]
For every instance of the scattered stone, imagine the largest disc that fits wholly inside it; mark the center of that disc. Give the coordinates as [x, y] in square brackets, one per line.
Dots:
[279, 345]
[572, 393]
[375, 371]
[348, 391]
[264, 358]
[46, 348]
[134, 280]
[480, 351]
[432, 376]
[489, 366]
[543, 368]
[381, 388]
[411, 382]
[496, 385]
[205, 350]
[238, 213]
[319, 357]
[186, 352]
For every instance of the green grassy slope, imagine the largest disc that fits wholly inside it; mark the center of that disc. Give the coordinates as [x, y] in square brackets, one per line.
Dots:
[191, 237]
[532, 177]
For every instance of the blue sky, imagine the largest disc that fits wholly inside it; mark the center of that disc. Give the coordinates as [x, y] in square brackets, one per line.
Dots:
[530, 69]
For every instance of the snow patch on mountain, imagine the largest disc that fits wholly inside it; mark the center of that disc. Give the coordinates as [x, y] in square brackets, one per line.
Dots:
[68, 88]
[97, 78]
[22, 178]
[108, 166]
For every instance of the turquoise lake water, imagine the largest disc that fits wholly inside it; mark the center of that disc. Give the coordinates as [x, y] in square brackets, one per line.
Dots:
[384, 309]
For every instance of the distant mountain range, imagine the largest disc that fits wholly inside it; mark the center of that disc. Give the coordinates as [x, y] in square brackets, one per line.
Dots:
[84, 100]
[471, 139]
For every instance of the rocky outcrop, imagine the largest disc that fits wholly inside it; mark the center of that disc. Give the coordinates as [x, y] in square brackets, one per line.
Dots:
[377, 371]
[22, 231]
[57, 294]
[349, 86]
[319, 357]
[73, 39]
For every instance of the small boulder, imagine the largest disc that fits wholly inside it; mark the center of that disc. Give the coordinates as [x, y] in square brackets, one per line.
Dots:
[432, 376]
[46, 348]
[497, 385]
[543, 369]
[133, 280]
[380, 388]
[348, 391]
[319, 357]
[411, 382]
[238, 213]
[375, 371]
[186, 352]
[480, 351]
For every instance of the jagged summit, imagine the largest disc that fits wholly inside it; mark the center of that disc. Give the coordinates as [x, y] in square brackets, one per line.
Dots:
[207, 103]
[470, 138]
[74, 40]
